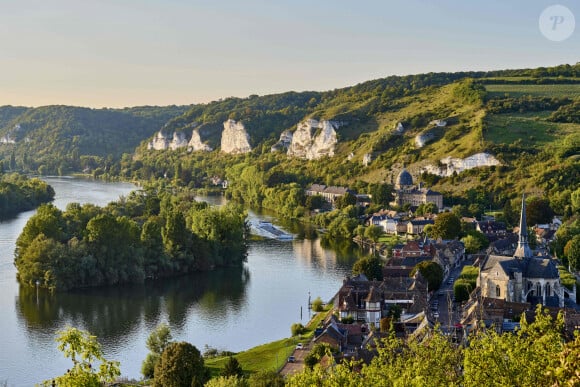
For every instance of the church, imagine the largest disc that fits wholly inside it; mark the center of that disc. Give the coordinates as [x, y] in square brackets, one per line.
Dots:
[523, 277]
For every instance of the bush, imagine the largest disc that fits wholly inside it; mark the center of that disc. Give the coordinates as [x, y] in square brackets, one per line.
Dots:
[296, 329]
[461, 290]
[317, 304]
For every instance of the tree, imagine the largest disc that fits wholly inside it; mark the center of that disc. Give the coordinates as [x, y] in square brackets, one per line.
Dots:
[317, 304]
[266, 379]
[228, 381]
[572, 252]
[432, 272]
[538, 211]
[345, 200]
[373, 232]
[371, 267]
[180, 365]
[382, 194]
[475, 241]
[447, 226]
[157, 341]
[525, 358]
[232, 368]
[296, 329]
[85, 352]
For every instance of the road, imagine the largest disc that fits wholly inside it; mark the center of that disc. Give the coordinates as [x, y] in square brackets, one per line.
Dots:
[298, 365]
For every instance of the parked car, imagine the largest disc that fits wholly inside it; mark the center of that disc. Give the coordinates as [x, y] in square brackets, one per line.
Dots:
[299, 346]
[291, 359]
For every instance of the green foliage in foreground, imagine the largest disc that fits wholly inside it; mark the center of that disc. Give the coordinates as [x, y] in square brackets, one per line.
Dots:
[147, 235]
[536, 355]
[85, 352]
[19, 193]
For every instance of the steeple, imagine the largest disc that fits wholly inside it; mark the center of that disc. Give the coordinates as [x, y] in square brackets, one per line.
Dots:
[523, 250]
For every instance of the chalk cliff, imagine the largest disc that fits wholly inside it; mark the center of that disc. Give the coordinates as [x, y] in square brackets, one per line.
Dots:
[235, 139]
[195, 144]
[313, 139]
[450, 164]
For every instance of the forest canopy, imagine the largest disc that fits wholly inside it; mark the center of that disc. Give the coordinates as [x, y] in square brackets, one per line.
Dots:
[148, 234]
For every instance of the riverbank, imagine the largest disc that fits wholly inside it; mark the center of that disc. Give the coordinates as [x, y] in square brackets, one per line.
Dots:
[271, 356]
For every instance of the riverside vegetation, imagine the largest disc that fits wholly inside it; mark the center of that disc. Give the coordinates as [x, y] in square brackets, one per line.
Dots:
[151, 233]
[19, 193]
[527, 119]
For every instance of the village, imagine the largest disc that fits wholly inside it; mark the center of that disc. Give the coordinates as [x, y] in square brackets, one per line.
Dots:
[506, 280]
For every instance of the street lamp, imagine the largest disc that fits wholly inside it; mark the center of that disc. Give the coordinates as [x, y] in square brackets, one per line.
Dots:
[37, 285]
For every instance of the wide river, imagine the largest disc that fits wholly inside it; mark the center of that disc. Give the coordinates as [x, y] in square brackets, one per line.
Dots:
[232, 309]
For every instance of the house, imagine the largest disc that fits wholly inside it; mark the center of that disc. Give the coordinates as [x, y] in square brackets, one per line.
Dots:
[369, 301]
[491, 229]
[416, 226]
[330, 194]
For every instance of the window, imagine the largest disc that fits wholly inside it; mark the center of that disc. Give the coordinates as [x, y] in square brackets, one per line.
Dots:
[497, 291]
[548, 290]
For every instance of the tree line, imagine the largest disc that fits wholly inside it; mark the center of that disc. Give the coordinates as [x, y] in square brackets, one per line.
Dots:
[151, 233]
[19, 193]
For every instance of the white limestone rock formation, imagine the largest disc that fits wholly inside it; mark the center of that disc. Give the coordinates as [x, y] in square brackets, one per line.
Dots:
[422, 139]
[159, 142]
[235, 139]
[399, 128]
[179, 140]
[313, 139]
[284, 141]
[367, 159]
[450, 164]
[195, 144]
[9, 138]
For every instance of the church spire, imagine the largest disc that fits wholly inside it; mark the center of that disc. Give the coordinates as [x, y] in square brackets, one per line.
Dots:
[523, 250]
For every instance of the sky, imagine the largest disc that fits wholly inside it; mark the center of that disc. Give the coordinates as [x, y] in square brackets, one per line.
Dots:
[118, 53]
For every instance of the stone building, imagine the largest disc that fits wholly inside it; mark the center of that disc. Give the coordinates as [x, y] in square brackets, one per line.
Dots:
[523, 277]
[405, 192]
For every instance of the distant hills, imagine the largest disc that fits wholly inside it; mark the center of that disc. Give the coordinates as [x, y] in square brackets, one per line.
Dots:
[526, 119]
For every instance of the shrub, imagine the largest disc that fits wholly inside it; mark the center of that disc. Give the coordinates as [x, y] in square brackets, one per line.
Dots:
[317, 305]
[297, 329]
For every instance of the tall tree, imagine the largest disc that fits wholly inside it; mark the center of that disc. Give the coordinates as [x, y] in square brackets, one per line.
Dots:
[157, 341]
[180, 365]
[447, 226]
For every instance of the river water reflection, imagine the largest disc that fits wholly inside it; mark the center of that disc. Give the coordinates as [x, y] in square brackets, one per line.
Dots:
[232, 309]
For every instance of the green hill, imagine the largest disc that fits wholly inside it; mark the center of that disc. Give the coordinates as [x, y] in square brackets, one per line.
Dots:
[528, 119]
[65, 139]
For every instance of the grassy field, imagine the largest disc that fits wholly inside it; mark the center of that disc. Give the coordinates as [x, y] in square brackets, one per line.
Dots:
[501, 90]
[531, 128]
[270, 356]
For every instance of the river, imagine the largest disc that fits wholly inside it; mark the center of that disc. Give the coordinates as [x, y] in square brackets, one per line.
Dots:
[233, 309]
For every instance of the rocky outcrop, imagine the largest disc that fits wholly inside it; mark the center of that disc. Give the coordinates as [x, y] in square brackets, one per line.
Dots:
[448, 165]
[399, 128]
[313, 139]
[195, 144]
[284, 142]
[9, 137]
[235, 139]
[422, 139]
[367, 159]
[179, 140]
[159, 142]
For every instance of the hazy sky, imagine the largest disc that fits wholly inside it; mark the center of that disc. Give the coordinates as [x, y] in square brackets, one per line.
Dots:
[119, 53]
